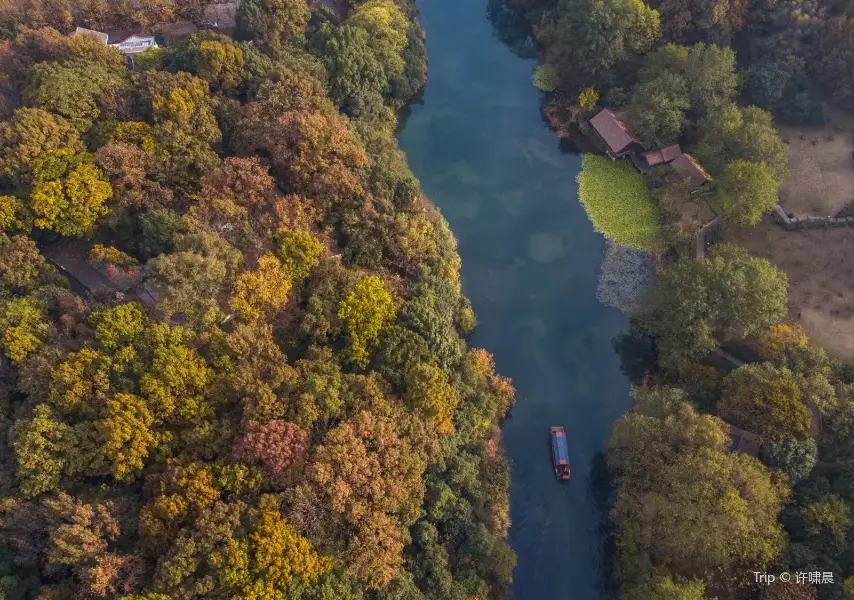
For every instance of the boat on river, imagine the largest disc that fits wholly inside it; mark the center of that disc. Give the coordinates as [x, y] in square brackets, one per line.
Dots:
[560, 453]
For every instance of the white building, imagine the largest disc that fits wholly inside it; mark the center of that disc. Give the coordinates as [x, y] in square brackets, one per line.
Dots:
[129, 46]
[135, 44]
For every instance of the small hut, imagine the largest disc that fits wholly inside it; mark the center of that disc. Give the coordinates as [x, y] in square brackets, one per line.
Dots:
[660, 156]
[688, 165]
[744, 441]
[614, 134]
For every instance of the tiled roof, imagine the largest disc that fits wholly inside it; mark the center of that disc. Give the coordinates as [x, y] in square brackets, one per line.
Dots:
[689, 164]
[613, 131]
[178, 31]
[744, 441]
[662, 155]
[224, 14]
[71, 256]
[98, 34]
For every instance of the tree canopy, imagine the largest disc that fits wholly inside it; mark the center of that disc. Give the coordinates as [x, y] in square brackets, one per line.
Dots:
[746, 192]
[766, 401]
[732, 133]
[714, 510]
[273, 398]
[596, 35]
[727, 295]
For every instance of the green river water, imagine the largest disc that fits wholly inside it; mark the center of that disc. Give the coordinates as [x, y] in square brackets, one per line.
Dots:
[530, 266]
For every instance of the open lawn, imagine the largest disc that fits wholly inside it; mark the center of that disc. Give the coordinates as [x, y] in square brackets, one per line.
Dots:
[821, 277]
[822, 180]
[618, 203]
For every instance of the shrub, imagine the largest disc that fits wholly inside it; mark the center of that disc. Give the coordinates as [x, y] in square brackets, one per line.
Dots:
[545, 78]
[108, 254]
[587, 98]
[617, 201]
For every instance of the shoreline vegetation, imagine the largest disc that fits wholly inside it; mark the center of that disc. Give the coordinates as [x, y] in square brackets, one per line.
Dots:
[725, 466]
[250, 380]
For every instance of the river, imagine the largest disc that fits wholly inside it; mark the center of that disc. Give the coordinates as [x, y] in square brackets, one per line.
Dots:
[530, 266]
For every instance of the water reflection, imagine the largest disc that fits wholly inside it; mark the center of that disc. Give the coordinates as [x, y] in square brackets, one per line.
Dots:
[511, 28]
[530, 266]
[637, 352]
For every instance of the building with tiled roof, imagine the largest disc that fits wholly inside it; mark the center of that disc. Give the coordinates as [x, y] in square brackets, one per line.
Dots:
[661, 156]
[687, 164]
[97, 34]
[744, 441]
[614, 133]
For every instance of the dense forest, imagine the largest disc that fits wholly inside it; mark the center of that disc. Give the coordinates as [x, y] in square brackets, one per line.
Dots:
[794, 55]
[693, 519]
[298, 415]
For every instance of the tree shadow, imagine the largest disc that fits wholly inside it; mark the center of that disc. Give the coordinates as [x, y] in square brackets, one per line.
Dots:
[638, 353]
[406, 111]
[602, 491]
[568, 145]
[511, 27]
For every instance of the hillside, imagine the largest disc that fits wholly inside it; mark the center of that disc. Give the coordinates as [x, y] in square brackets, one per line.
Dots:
[233, 333]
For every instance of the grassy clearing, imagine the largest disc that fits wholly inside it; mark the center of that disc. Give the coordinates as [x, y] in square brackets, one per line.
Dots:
[617, 201]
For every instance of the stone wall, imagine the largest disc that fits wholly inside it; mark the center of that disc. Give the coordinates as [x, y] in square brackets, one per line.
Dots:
[808, 221]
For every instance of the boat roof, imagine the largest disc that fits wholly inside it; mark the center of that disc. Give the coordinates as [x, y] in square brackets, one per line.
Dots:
[561, 452]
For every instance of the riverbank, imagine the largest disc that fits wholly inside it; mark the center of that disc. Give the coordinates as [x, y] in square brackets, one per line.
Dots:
[244, 370]
[771, 433]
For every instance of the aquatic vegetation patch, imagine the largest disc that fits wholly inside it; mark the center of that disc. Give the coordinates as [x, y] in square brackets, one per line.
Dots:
[624, 274]
[617, 201]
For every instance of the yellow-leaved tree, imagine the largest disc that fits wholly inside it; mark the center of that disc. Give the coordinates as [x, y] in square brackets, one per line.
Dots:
[22, 327]
[387, 26]
[366, 311]
[262, 293]
[69, 192]
[126, 435]
[431, 395]
[281, 556]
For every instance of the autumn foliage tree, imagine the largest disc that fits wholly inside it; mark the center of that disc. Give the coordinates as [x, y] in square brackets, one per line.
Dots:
[30, 134]
[276, 23]
[299, 252]
[77, 90]
[767, 401]
[432, 396]
[311, 152]
[276, 444]
[369, 474]
[220, 64]
[252, 418]
[262, 293]
[126, 432]
[281, 557]
[69, 192]
[366, 311]
[24, 326]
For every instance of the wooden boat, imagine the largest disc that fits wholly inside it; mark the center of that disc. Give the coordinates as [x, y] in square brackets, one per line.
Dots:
[560, 453]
